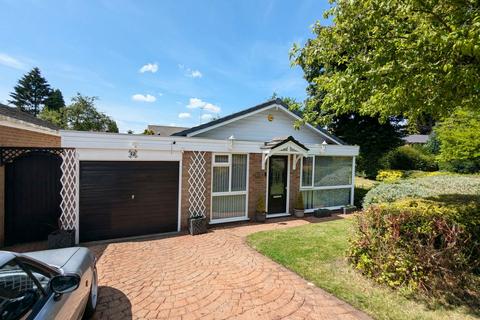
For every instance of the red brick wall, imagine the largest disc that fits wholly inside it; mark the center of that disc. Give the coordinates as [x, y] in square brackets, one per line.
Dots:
[186, 161]
[257, 183]
[13, 137]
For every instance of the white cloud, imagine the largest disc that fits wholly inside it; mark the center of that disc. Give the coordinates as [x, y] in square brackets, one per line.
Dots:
[160, 94]
[211, 108]
[195, 103]
[11, 62]
[194, 73]
[149, 67]
[189, 72]
[184, 115]
[143, 97]
[206, 106]
[206, 117]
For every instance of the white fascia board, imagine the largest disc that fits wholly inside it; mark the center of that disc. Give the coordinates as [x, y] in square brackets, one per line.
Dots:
[333, 150]
[100, 140]
[23, 125]
[90, 140]
[86, 154]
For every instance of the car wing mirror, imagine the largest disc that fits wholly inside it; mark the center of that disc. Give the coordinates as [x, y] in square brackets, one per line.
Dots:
[65, 283]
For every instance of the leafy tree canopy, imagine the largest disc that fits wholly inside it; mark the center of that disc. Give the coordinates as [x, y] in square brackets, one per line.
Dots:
[374, 138]
[381, 58]
[31, 92]
[80, 115]
[459, 136]
[55, 100]
[292, 103]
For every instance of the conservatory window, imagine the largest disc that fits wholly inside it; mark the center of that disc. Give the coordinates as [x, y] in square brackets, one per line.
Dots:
[326, 181]
[229, 186]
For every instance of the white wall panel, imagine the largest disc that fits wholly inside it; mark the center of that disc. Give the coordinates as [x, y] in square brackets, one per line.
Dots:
[256, 127]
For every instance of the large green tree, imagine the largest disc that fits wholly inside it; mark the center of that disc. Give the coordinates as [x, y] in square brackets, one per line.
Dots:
[374, 138]
[55, 100]
[80, 115]
[406, 58]
[459, 137]
[31, 92]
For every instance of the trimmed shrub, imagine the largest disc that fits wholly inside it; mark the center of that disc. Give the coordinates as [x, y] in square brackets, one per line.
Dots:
[389, 175]
[430, 246]
[412, 174]
[423, 188]
[409, 158]
[461, 166]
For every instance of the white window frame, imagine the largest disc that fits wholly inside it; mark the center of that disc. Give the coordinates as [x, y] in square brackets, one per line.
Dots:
[350, 186]
[313, 173]
[229, 192]
[222, 164]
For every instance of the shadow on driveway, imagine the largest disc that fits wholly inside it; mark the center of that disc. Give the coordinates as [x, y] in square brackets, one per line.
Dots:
[112, 304]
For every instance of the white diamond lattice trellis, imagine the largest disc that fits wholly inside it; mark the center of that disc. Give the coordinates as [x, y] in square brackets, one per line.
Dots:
[196, 184]
[69, 180]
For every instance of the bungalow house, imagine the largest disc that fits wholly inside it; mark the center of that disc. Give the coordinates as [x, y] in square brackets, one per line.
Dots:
[121, 185]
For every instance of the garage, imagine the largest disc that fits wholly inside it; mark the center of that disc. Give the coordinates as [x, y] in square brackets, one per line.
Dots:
[127, 198]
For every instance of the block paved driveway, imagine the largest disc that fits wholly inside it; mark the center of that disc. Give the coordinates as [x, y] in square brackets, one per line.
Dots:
[211, 276]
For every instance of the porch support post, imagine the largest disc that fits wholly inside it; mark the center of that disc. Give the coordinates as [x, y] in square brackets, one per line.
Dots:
[296, 157]
[264, 160]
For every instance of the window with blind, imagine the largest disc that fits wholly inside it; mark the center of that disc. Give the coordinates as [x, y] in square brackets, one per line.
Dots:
[326, 181]
[229, 186]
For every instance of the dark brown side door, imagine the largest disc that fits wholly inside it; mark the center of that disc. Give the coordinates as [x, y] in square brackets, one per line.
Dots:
[277, 184]
[123, 199]
[32, 197]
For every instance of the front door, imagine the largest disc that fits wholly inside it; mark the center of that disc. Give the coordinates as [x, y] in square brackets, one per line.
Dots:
[277, 184]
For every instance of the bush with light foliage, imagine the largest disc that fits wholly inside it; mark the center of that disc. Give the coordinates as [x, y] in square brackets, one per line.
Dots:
[423, 188]
[389, 175]
[418, 245]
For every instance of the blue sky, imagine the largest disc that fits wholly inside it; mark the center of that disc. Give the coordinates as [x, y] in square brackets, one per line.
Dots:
[158, 62]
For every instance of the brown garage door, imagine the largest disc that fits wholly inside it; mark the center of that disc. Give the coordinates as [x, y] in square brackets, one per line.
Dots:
[122, 199]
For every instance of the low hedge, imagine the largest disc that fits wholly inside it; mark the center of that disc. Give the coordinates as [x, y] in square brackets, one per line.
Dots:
[423, 187]
[409, 158]
[418, 245]
[395, 175]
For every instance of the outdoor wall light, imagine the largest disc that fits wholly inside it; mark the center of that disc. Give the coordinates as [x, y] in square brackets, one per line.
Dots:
[231, 140]
[324, 146]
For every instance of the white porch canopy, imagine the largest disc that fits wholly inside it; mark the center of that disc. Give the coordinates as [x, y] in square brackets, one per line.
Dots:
[283, 146]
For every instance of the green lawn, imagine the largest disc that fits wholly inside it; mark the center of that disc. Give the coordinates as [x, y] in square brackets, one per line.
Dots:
[317, 253]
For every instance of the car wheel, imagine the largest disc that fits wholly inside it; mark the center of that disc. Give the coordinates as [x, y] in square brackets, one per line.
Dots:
[92, 297]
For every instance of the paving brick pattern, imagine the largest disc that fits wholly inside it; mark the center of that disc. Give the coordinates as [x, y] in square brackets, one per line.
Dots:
[211, 276]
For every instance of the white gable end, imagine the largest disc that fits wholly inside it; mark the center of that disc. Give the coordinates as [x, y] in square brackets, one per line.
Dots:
[258, 127]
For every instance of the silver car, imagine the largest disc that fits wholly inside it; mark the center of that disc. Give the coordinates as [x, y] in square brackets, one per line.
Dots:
[50, 284]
